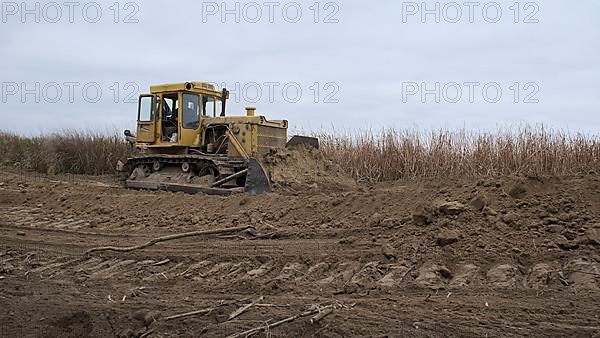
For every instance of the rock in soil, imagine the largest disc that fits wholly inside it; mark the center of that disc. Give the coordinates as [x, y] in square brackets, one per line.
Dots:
[451, 208]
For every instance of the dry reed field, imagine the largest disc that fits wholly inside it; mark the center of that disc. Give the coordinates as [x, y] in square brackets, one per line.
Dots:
[367, 156]
[66, 152]
[404, 154]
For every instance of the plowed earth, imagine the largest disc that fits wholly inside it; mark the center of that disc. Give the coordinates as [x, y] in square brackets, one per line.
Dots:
[490, 257]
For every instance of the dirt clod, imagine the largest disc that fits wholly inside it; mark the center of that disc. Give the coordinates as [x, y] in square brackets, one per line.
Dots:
[78, 324]
[479, 202]
[592, 237]
[518, 190]
[555, 228]
[467, 275]
[422, 216]
[388, 251]
[451, 208]
[447, 237]
[504, 275]
[511, 218]
[541, 275]
[433, 276]
[584, 273]
[567, 245]
[146, 317]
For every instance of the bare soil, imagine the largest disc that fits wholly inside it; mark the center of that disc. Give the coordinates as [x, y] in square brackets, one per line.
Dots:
[510, 256]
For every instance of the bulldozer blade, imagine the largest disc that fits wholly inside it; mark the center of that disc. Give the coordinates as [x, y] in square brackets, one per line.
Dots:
[297, 140]
[257, 180]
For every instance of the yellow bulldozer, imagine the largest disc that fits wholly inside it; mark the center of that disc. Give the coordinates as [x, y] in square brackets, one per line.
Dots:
[186, 142]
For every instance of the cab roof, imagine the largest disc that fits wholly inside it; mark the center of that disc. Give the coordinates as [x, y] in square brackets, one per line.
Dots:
[194, 87]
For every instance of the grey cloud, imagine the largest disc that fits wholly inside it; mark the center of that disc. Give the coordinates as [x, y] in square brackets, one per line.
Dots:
[370, 53]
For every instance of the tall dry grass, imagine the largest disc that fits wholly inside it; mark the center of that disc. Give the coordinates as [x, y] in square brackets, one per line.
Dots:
[367, 156]
[69, 151]
[400, 154]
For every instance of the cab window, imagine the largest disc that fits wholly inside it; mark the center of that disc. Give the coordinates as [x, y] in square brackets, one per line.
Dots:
[191, 111]
[145, 109]
[211, 106]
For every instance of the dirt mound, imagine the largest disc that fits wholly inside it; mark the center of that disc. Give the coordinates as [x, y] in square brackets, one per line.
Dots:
[306, 170]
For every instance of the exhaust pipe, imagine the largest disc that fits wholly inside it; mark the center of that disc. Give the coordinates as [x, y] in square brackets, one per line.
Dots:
[224, 97]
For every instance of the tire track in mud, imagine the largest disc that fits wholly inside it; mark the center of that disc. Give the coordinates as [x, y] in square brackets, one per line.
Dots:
[54, 236]
[322, 263]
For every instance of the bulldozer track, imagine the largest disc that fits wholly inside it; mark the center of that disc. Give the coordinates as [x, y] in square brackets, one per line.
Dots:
[219, 161]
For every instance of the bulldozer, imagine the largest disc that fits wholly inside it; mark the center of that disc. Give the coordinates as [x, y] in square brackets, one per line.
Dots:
[186, 142]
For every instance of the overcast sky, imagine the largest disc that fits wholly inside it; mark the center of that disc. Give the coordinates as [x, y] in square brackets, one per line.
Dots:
[357, 64]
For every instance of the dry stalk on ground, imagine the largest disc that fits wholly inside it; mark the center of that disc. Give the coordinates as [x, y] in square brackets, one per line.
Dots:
[168, 238]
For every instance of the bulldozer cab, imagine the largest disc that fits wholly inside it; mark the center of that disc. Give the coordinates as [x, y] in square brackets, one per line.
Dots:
[171, 115]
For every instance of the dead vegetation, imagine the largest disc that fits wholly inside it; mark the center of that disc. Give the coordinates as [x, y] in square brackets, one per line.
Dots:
[404, 154]
[169, 238]
[367, 157]
[66, 152]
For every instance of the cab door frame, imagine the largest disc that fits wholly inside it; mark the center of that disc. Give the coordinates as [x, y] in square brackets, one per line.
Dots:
[188, 136]
[146, 128]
